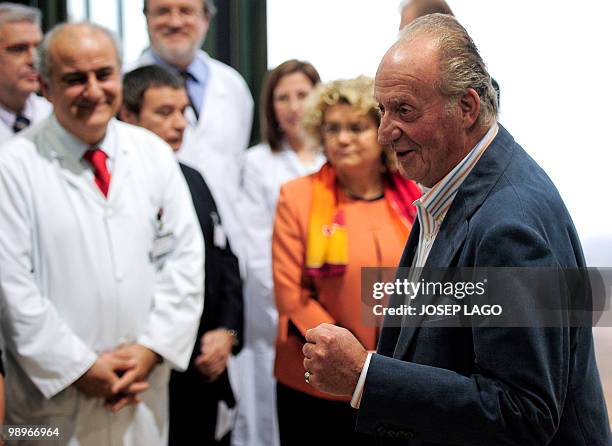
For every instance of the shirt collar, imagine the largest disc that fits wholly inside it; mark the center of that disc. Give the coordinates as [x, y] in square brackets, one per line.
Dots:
[8, 117]
[197, 69]
[74, 148]
[437, 200]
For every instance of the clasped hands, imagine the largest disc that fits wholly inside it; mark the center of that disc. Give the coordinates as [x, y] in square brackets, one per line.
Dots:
[119, 376]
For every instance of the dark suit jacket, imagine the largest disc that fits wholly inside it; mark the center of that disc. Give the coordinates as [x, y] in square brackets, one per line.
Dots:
[193, 400]
[491, 386]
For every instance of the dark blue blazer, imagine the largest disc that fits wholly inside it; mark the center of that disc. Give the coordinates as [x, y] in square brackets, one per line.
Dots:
[491, 386]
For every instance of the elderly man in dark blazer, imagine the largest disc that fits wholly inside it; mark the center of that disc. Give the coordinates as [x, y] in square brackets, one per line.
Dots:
[156, 99]
[486, 204]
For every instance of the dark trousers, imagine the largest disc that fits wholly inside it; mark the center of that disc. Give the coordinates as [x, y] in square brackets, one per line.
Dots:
[309, 421]
[193, 410]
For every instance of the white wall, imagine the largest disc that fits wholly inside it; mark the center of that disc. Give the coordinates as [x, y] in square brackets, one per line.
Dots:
[106, 13]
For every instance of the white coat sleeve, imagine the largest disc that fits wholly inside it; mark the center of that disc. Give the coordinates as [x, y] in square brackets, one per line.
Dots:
[44, 346]
[179, 286]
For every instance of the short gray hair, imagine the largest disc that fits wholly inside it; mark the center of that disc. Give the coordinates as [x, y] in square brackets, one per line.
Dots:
[461, 66]
[14, 12]
[208, 6]
[43, 61]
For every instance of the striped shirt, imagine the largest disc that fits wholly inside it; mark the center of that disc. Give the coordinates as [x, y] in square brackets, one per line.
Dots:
[435, 202]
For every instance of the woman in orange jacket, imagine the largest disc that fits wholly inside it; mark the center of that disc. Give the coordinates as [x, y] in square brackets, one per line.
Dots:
[355, 212]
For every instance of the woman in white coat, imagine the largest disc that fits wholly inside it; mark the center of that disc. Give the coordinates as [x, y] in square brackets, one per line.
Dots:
[285, 154]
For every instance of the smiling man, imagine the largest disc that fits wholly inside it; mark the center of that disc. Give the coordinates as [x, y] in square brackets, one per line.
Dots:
[101, 278]
[486, 204]
[220, 115]
[19, 36]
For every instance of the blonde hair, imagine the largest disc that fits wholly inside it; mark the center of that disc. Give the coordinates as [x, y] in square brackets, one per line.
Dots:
[358, 93]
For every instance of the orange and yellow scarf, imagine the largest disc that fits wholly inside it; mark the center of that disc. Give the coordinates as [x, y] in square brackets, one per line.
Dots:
[327, 243]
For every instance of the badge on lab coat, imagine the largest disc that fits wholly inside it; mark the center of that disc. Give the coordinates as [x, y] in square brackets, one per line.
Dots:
[219, 237]
[164, 243]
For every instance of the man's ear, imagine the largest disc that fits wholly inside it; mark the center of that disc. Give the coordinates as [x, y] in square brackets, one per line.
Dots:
[128, 116]
[470, 107]
[44, 88]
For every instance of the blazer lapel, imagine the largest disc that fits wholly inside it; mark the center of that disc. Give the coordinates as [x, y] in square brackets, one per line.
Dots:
[454, 229]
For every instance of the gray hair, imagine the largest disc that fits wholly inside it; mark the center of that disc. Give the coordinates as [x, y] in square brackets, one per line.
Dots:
[43, 61]
[461, 66]
[208, 6]
[14, 12]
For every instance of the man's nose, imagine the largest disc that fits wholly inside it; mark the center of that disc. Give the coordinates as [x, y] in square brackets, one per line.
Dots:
[179, 121]
[31, 55]
[387, 132]
[93, 89]
[175, 20]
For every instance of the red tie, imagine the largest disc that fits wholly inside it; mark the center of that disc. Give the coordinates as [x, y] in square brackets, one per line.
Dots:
[97, 158]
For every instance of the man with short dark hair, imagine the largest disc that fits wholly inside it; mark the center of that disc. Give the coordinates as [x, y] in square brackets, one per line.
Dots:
[221, 107]
[20, 34]
[156, 99]
[486, 204]
[102, 259]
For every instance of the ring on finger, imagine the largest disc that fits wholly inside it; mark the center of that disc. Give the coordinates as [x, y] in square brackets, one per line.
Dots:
[307, 376]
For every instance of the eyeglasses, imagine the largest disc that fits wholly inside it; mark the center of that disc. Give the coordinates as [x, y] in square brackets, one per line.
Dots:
[185, 13]
[333, 130]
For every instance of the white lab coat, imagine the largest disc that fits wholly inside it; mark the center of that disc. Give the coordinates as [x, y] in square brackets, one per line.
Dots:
[215, 143]
[36, 109]
[264, 173]
[80, 275]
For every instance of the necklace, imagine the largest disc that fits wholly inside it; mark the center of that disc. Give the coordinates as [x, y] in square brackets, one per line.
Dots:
[361, 198]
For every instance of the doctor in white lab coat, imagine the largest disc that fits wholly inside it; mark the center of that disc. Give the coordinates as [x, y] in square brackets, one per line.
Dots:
[20, 34]
[221, 114]
[285, 155]
[101, 289]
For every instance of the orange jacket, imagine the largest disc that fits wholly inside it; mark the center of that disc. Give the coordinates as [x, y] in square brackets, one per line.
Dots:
[373, 240]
